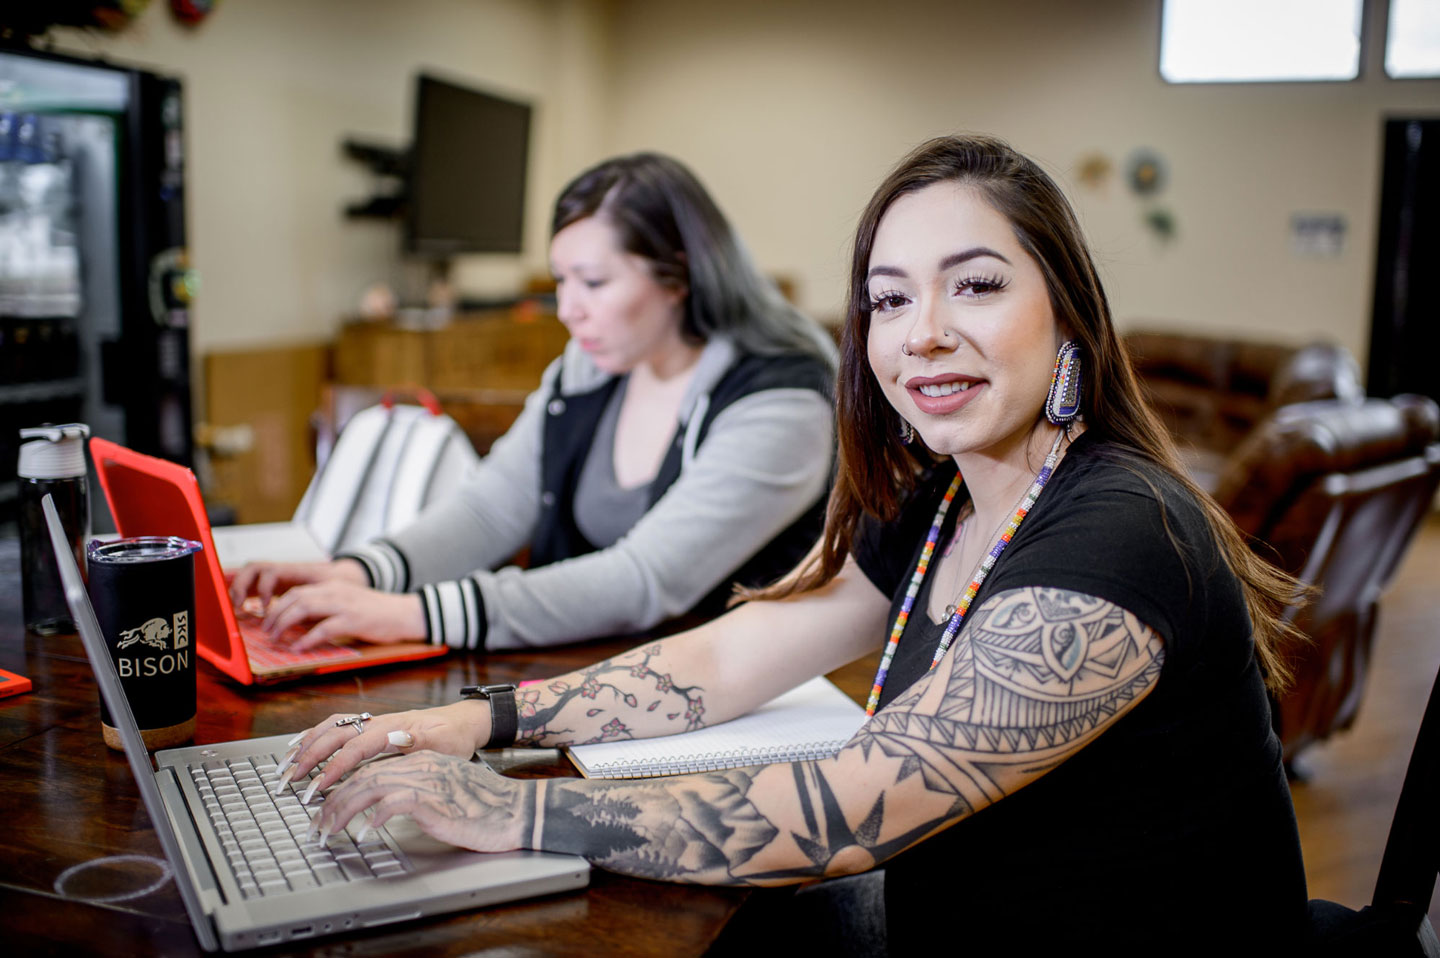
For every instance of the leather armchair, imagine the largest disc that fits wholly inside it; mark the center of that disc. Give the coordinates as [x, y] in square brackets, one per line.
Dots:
[1212, 392]
[1333, 491]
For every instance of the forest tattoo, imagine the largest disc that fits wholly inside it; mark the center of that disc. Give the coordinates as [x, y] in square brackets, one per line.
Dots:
[620, 687]
[1032, 678]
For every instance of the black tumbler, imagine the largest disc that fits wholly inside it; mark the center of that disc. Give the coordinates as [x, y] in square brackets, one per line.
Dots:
[143, 590]
[52, 462]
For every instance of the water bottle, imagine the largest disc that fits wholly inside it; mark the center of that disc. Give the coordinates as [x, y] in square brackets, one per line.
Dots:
[52, 460]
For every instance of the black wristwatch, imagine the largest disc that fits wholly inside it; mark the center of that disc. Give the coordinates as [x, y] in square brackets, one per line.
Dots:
[504, 713]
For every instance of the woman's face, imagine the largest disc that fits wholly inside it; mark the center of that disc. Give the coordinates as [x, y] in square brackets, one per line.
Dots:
[951, 286]
[609, 300]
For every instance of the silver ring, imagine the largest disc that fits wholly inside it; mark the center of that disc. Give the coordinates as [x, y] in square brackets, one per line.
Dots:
[905, 348]
[356, 720]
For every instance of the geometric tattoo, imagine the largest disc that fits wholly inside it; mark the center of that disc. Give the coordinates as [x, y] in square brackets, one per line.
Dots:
[1037, 671]
[1034, 676]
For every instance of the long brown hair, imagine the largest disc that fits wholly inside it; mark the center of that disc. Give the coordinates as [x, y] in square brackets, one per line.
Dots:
[876, 470]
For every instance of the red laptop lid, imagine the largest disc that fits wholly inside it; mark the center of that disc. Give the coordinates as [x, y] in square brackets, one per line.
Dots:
[155, 497]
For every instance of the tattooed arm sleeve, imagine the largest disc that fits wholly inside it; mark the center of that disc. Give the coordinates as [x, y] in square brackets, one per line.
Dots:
[1034, 676]
[718, 671]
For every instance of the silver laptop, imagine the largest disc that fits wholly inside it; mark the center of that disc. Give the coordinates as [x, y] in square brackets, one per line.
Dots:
[242, 865]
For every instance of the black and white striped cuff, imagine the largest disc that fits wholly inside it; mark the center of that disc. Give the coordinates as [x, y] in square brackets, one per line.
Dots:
[384, 564]
[454, 614]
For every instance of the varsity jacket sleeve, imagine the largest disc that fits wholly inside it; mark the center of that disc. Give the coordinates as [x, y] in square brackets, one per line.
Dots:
[764, 461]
[488, 519]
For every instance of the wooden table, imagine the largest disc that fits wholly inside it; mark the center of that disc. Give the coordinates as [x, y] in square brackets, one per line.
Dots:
[66, 799]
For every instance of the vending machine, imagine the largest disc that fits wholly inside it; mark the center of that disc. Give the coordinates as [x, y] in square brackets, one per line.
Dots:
[95, 284]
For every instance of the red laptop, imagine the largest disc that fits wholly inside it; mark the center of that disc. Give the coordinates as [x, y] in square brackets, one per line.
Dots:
[154, 497]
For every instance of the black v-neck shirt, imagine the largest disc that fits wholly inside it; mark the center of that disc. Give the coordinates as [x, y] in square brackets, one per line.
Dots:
[1173, 832]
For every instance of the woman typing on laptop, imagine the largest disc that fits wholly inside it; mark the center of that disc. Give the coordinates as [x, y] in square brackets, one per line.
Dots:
[681, 445]
[1070, 746]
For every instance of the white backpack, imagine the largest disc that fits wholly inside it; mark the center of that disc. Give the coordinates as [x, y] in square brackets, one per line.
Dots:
[389, 462]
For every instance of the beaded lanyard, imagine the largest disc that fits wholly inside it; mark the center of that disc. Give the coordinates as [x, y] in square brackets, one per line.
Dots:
[988, 563]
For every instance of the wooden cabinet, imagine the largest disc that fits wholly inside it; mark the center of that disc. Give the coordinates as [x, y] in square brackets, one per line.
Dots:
[504, 349]
[481, 367]
[255, 441]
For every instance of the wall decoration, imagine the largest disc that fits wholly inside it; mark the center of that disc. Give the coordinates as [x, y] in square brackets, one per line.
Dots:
[1147, 175]
[1094, 170]
[191, 12]
[1161, 221]
[1317, 235]
[1146, 172]
[33, 19]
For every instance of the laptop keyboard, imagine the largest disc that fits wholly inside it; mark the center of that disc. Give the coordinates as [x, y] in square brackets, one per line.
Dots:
[264, 836]
[266, 655]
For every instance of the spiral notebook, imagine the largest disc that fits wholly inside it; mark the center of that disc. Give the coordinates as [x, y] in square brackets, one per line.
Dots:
[809, 722]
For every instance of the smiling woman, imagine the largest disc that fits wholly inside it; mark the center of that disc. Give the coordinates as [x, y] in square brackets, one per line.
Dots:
[956, 336]
[1070, 753]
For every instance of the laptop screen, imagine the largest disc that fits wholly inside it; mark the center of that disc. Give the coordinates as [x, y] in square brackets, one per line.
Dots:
[84, 614]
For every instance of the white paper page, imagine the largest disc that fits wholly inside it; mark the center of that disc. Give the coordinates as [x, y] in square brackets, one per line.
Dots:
[810, 721]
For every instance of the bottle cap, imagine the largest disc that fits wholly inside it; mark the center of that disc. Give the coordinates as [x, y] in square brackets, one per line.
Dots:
[53, 452]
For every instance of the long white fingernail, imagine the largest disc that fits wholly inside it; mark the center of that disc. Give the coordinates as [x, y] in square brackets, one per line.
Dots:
[401, 739]
[286, 762]
[364, 834]
[296, 740]
[309, 792]
[284, 780]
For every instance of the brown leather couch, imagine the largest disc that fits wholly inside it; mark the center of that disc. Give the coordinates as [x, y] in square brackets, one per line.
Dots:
[1333, 491]
[1212, 392]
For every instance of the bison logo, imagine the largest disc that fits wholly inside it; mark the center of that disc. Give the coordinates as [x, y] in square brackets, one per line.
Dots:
[153, 633]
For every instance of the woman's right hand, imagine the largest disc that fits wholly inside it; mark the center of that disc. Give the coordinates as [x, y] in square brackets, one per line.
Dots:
[458, 729]
[269, 579]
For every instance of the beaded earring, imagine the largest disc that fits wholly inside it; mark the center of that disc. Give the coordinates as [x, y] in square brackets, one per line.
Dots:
[1062, 406]
[907, 432]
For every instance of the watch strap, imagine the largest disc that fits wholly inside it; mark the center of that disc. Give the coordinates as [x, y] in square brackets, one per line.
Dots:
[504, 712]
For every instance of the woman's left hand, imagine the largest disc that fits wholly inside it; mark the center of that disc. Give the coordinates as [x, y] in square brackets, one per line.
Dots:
[460, 802]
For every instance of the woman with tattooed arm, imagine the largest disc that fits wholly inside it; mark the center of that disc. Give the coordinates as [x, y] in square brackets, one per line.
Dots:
[1069, 741]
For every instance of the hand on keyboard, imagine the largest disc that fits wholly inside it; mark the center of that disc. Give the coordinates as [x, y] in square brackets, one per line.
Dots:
[266, 580]
[460, 802]
[457, 729]
[344, 610]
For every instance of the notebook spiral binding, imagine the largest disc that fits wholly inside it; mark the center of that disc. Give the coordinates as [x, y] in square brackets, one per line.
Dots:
[716, 761]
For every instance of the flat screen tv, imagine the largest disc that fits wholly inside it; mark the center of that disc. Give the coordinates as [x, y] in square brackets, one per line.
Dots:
[468, 163]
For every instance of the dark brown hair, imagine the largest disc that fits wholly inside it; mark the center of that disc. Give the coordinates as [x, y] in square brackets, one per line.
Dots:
[662, 214]
[876, 471]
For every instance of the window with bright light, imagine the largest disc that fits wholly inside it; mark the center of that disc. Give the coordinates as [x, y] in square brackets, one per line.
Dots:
[1412, 39]
[1243, 41]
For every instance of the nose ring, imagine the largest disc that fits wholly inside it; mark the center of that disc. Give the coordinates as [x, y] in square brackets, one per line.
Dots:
[905, 348]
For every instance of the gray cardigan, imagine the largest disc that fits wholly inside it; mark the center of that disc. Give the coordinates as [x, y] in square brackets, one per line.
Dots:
[765, 460]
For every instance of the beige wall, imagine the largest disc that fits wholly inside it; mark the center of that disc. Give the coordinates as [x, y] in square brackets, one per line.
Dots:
[792, 112]
[274, 86]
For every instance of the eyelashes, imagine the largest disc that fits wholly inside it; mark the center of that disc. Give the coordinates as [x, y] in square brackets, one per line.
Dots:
[981, 285]
[977, 286]
[885, 301]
